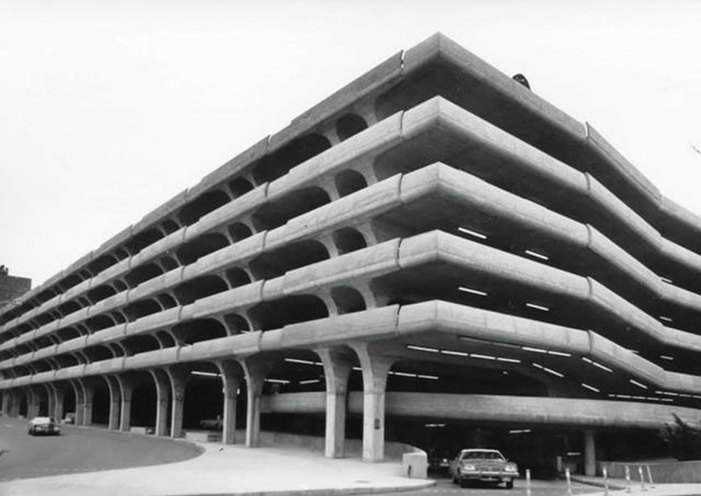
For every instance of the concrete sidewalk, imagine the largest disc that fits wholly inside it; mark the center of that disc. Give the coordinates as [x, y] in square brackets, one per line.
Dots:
[223, 470]
[618, 487]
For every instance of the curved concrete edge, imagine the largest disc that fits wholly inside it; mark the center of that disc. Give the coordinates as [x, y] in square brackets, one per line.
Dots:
[325, 491]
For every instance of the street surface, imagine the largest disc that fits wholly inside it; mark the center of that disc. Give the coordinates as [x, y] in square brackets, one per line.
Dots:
[444, 486]
[80, 450]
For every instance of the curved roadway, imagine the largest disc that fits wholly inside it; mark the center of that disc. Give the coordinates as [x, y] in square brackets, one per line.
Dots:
[80, 449]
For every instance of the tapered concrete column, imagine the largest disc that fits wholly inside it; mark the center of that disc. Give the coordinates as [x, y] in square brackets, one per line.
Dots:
[15, 404]
[79, 402]
[115, 402]
[177, 382]
[59, 394]
[589, 453]
[88, 395]
[5, 408]
[126, 388]
[375, 368]
[337, 368]
[231, 373]
[50, 400]
[163, 388]
[256, 370]
[32, 403]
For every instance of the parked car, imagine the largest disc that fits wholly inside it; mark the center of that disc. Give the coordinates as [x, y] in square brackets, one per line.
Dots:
[69, 418]
[487, 465]
[43, 425]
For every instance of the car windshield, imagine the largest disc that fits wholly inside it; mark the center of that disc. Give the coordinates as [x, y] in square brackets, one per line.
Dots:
[42, 420]
[482, 455]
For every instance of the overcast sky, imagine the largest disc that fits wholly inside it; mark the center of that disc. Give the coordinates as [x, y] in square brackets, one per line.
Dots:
[109, 108]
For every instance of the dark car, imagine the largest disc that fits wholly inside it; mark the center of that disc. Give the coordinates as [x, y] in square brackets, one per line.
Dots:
[43, 425]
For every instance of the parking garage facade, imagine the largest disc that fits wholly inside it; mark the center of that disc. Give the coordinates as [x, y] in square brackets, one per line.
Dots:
[433, 255]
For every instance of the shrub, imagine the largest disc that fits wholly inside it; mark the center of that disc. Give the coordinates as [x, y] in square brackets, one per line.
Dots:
[683, 440]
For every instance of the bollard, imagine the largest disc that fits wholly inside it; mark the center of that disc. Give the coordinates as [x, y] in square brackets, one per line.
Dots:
[606, 482]
[628, 488]
[649, 477]
[642, 478]
[569, 481]
[528, 482]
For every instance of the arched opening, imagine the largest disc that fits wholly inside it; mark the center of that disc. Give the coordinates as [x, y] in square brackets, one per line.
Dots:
[118, 317]
[198, 330]
[69, 307]
[297, 151]
[198, 288]
[143, 273]
[348, 240]
[275, 214]
[99, 322]
[69, 401]
[237, 277]
[141, 308]
[289, 257]
[236, 324]
[140, 344]
[202, 205]
[289, 310]
[23, 403]
[347, 299]
[349, 181]
[204, 245]
[170, 226]
[120, 285]
[240, 187]
[239, 231]
[143, 403]
[97, 353]
[204, 399]
[101, 263]
[167, 301]
[168, 263]
[142, 240]
[349, 125]
[100, 293]
[101, 402]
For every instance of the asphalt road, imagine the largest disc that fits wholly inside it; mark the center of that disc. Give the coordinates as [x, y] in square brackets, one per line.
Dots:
[80, 450]
[445, 487]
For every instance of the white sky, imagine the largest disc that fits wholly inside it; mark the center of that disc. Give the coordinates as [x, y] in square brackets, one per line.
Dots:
[109, 108]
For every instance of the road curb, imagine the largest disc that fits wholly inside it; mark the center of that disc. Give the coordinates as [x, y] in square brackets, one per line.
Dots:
[323, 491]
[596, 483]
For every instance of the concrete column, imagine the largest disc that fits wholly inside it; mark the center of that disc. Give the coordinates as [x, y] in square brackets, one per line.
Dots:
[178, 382]
[375, 368]
[5, 408]
[126, 388]
[589, 453]
[337, 368]
[231, 378]
[163, 401]
[256, 369]
[32, 403]
[59, 395]
[15, 404]
[50, 400]
[88, 395]
[79, 402]
[115, 402]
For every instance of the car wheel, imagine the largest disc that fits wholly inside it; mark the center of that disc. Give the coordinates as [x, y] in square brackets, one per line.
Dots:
[509, 484]
[463, 483]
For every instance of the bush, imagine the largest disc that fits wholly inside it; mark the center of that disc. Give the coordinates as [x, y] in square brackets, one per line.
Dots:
[683, 440]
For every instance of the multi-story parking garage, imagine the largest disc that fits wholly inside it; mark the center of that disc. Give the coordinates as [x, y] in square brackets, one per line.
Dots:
[434, 248]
